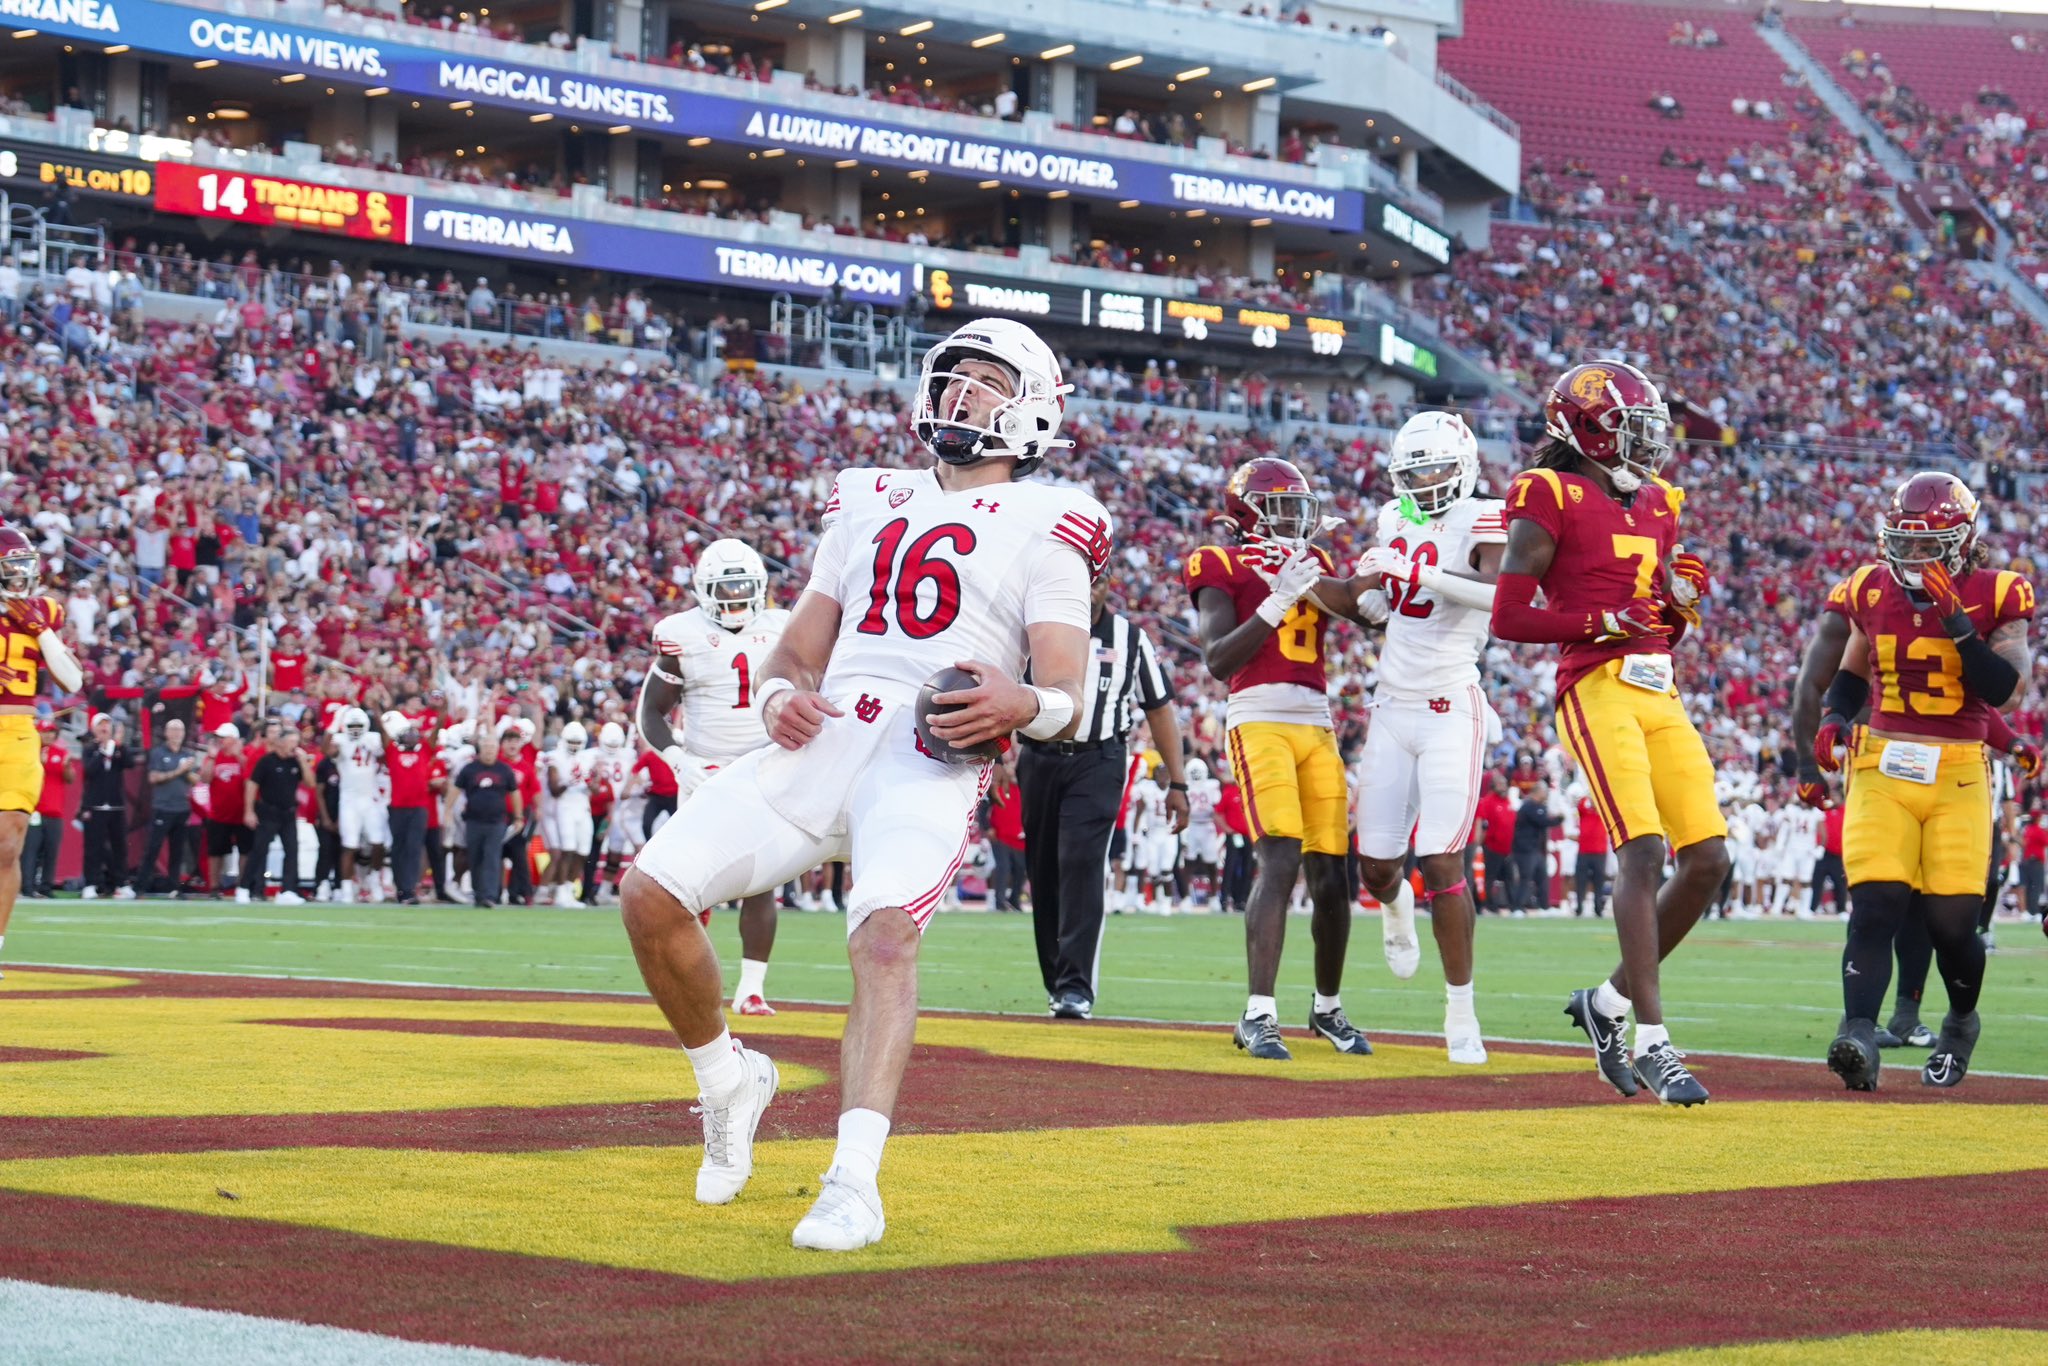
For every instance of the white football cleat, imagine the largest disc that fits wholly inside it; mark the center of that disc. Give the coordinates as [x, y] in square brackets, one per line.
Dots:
[752, 1005]
[290, 899]
[124, 894]
[1462, 1041]
[847, 1216]
[241, 896]
[729, 1127]
[1397, 933]
[345, 894]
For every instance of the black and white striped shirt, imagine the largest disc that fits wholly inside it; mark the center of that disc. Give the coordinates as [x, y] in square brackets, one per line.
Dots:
[1123, 669]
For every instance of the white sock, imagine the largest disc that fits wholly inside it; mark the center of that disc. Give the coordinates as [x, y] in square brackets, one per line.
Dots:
[1458, 1000]
[717, 1065]
[753, 979]
[1649, 1036]
[1608, 1001]
[1260, 1008]
[1326, 1004]
[861, 1136]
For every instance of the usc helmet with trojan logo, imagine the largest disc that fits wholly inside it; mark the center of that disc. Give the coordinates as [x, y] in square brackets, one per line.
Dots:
[1269, 499]
[1615, 416]
[1932, 519]
[21, 568]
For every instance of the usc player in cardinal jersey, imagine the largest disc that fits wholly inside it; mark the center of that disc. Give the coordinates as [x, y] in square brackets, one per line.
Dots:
[1265, 606]
[1945, 640]
[1594, 526]
[29, 623]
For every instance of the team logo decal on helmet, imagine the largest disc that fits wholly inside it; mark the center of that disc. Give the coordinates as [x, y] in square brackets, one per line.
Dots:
[1932, 519]
[1614, 415]
[1268, 499]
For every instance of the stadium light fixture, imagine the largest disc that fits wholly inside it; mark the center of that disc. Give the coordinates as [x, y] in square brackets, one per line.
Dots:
[988, 40]
[912, 30]
[845, 164]
[710, 185]
[619, 128]
[1054, 53]
[989, 184]
[1193, 73]
[763, 6]
[117, 49]
[461, 104]
[698, 142]
[1262, 83]
[845, 16]
[1057, 194]
[374, 91]
[1125, 63]
[206, 64]
[292, 78]
[539, 118]
[1127, 203]
[24, 33]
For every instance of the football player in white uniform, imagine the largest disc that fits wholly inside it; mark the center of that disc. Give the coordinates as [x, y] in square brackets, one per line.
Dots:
[621, 838]
[364, 819]
[1154, 844]
[1202, 844]
[707, 659]
[1438, 552]
[565, 776]
[917, 571]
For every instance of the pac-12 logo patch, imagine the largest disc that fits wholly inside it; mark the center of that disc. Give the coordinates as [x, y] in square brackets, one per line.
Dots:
[898, 497]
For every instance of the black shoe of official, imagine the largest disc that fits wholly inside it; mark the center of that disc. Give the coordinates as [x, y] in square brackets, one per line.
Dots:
[1662, 1068]
[1261, 1038]
[1072, 1005]
[1952, 1051]
[1853, 1056]
[1609, 1034]
[1343, 1035]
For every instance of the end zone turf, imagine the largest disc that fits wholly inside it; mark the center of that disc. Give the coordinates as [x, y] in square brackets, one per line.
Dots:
[513, 1172]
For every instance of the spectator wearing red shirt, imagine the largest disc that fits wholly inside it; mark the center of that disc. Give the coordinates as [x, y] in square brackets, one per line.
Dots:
[1237, 850]
[412, 803]
[45, 841]
[518, 751]
[2033, 862]
[1828, 871]
[224, 773]
[1589, 871]
[1497, 815]
[1004, 816]
[437, 850]
[288, 667]
[220, 699]
[661, 791]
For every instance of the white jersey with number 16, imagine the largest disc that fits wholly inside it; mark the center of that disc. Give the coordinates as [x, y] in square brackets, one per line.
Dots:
[926, 578]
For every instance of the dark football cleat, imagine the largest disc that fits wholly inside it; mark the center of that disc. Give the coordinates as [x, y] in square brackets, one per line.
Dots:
[1952, 1051]
[1072, 1005]
[1662, 1068]
[1610, 1040]
[1343, 1035]
[1853, 1056]
[1261, 1038]
[1887, 1037]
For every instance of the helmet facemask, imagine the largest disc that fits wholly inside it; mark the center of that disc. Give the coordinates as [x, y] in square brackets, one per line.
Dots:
[20, 575]
[1642, 443]
[1286, 516]
[736, 600]
[1908, 549]
[1435, 485]
[947, 401]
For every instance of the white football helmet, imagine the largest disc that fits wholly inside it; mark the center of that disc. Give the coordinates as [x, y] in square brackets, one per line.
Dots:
[1025, 422]
[612, 736]
[574, 737]
[355, 723]
[1198, 772]
[1435, 461]
[731, 584]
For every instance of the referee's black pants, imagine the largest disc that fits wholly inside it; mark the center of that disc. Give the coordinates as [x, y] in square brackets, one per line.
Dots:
[1070, 807]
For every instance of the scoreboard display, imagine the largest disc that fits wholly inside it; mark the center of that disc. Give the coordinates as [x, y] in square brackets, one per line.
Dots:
[272, 201]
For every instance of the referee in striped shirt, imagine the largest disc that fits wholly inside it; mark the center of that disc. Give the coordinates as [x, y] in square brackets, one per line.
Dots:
[1073, 793]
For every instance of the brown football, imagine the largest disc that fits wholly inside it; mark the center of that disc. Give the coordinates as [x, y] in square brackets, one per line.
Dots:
[949, 680]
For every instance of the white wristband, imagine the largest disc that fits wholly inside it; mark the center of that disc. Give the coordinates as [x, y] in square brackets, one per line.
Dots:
[1055, 710]
[768, 688]
[1272, 611]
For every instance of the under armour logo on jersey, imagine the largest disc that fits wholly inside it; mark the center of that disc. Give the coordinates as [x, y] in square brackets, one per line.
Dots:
[1439, 705]
[868, 708]
[989, 507]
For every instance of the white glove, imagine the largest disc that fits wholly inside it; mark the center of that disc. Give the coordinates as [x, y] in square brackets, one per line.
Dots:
[686, 769]
[1296, 575]
[1390, 564]
[1301, 572]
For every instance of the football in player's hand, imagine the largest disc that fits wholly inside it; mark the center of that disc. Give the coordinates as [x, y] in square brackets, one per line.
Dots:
[950, 679]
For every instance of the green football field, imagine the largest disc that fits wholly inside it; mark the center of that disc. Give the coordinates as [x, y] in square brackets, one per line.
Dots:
[1735, 986]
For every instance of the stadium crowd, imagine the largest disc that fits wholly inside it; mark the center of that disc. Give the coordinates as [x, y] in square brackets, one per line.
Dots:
[470, 531]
